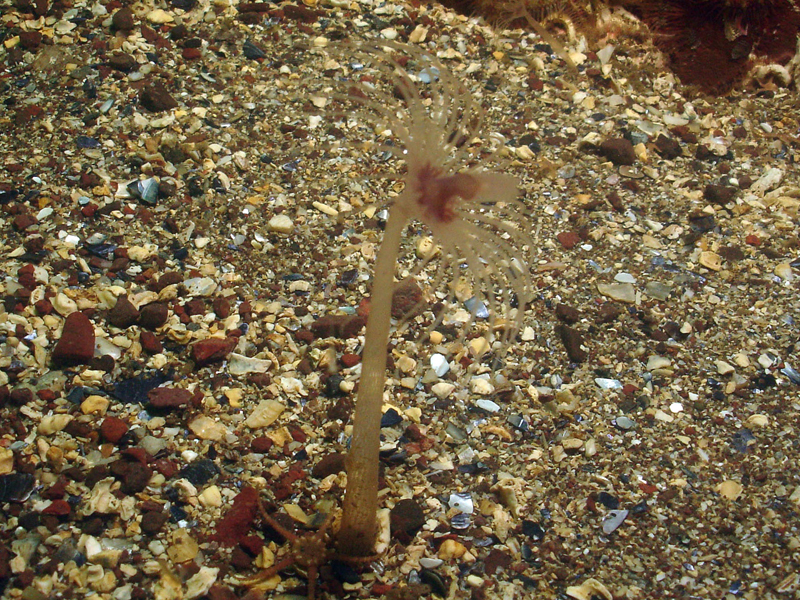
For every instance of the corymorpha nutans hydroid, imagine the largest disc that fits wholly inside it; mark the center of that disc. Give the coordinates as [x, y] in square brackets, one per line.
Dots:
[473, 215]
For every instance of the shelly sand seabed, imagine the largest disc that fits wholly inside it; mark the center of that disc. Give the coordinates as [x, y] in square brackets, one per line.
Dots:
[190, 219]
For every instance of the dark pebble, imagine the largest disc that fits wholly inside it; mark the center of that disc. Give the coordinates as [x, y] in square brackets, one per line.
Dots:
[667, 147]
[136, 388]
[567, 314]
[330, 464]
[338, 326]
[153, 315]
[496, 560]
[619, 151]
[153, 521]
[150, 343]
[406, 300]
[156, 98]
[200, 471]
[211, 350]
[133, 475]
[124, 314]
[719, 194]
[20, 396]
[572, 340]
[391, 418]
[252, 51]
[608, 500]
[123, 20]
[16, 487]
[122, 62]
[533, 530]
[407, 518]
[332, 386]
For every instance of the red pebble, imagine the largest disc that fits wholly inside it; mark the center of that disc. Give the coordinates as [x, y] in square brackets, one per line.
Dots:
[568, 239]
[238, 521]
[753, 240]
[113, 429]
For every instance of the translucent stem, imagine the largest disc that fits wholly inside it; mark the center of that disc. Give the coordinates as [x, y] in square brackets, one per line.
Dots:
[359, 524]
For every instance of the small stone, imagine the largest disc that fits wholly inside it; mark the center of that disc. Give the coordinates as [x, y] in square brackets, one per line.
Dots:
[589, 590]
[167, 398]
[767, 182]
[407, 518]
[23, 221]
[451, 549]
[567, 314]
[624, 423]
[211, 350]
[156, 98]
[153, 315]
[657, 362]
[76, 344]
[123, 20]
[487, 405]
[406, 299]
[330, 464]
[134, 475]
[238, 520]
[121, 61]
[621, 292]
[442, 389]
[207, 428]
[711, 260]
[757, 421]
[6, 461]
[281, 224]
[95, 405]
[573, 342]
[657, 290]
[784, 271]
[200, 472]
[338, 326]
[200, 286]
[568, 239]
[150, 342]
[159, 17]
[265, 414]
[724, 368]
[481, 386]
[113, 429]
[730, 489]
[153, 521]
[719, 194]
[667, 147]
[619, 151]
[239, 364]
[64, 305]
[183, 547]
[51, 424]
[124, 314]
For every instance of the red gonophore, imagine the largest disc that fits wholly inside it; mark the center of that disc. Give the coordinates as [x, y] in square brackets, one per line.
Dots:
[438, 195]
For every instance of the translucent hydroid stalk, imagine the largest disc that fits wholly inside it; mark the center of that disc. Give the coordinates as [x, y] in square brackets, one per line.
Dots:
[359, 523]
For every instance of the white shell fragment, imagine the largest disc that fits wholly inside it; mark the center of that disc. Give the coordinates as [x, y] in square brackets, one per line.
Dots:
[265, 414]
[589, 589]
